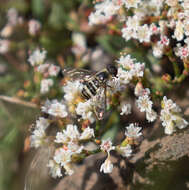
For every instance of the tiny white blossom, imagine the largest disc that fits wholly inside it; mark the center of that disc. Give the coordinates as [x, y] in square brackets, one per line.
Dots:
[144, 103]
[69, 169]
[144, 33]
[55, 169]
[42, 123]
[85, 109]
[170, 116]
[125, 151]
[37, 57]
[72, 132]
[4, 46]
[125, 109]
[61, 138]
[107, 166]
[62, 156]
[72, 90]
[12, 16]
[53, 70]
[37, 138]
[87, 134]
[131, 3]
[43, 68]
[151, 115]
[179, 31]
[74, 148]
[45, 85]
[106, 145]
[133, 131]
[34, 27]
[58, 109]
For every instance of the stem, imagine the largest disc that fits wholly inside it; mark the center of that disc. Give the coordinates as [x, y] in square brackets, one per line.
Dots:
[18, 101]
[173, 60]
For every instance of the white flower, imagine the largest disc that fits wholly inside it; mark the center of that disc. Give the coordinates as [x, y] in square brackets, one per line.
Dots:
[62, 156]
[69, 170]
[12, 16]
[37, 57]
[125, 109]
[164, 40]
[126, 62]
[53, 70]
[106, 146]
[47, 105]
[140, 91]
[87, 134]
[172, 3]
[55, 169]
[72, 90]
[42, 123]
[179, 30]
[169, 105]
[128, 33]
[45, 85]
[182, 52]
[85, 109]
[131, 3]
[124, 76]
[43, 68]
[144, 103]
[129, 69]
[57, 109]
[34, 27]
[61, 138]
[72, 132]
[133, 131]
[170, 116]
[37, 138]
[79, 42]
[151, 115]
[107, 166]
[144, 33]
[74, 148]
[125, 151]
[4, 46]
[158, 50]
[103, 12]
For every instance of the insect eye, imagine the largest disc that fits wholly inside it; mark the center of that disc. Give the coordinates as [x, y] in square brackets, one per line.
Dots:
[102, 76]
[112, 69]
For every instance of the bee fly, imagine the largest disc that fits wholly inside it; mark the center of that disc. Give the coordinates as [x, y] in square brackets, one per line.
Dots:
[94, 85]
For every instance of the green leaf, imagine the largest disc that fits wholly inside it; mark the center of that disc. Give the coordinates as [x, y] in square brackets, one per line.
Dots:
[38, 8]
[111, 133]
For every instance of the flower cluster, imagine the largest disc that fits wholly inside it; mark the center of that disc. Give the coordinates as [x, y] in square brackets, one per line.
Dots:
[125, 149]
[71, 140]
[15, 20]
[145, 104]
[171, 117]
[149, 22]
[46, 69]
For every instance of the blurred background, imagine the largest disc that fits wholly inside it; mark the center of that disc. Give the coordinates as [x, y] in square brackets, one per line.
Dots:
[61, 27]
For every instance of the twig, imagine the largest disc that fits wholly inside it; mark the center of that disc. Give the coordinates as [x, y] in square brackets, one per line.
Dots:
[18, 101]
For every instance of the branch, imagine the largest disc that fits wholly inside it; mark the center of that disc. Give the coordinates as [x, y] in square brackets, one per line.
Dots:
[18, 101]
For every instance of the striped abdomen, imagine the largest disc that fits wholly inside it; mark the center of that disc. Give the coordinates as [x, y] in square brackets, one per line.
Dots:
[90, 88]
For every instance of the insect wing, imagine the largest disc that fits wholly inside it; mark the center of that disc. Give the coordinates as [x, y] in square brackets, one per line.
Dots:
[37, 175]
[75, 74]
[99, 103]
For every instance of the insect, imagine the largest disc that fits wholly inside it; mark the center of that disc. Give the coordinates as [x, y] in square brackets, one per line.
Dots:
[94, 85]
